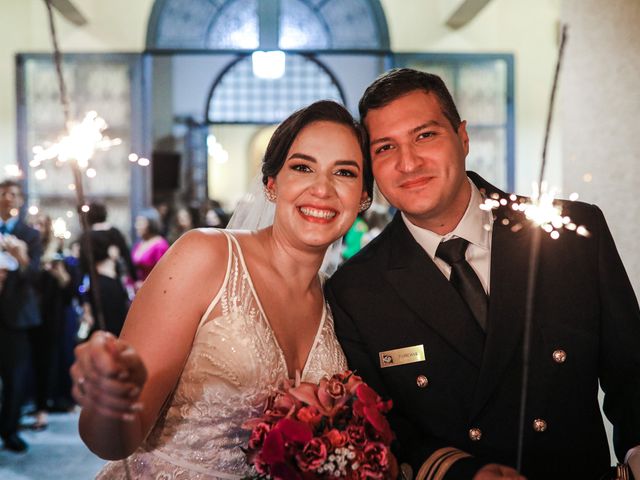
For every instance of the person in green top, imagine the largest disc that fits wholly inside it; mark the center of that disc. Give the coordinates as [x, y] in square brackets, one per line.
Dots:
[353, 238]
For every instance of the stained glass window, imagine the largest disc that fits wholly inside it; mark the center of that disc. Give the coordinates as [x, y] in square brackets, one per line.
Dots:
[241, 97]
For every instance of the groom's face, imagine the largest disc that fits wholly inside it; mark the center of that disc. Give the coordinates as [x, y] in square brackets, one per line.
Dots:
[418, 160]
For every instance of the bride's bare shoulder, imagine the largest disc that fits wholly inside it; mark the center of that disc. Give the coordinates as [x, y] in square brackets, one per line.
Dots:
[198, 250]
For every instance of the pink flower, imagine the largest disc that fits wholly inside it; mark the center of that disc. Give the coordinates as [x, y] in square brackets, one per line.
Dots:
[330, 395]
[378, 462]
[309, 415]
[280, 406]
[377, 453]
[304, 423]
[258, 434]
[336, 438]
[357, 435]
[352, 380]
[335, 388]
[312, 455]
[307, 394]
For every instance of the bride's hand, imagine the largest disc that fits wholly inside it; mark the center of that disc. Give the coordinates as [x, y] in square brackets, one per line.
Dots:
[108, 376]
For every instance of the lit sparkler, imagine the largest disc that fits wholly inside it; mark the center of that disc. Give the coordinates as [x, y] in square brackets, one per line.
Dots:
[82, 141]
[541, 209]
[80, 144]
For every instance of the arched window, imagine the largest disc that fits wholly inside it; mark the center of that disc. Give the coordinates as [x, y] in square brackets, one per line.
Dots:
[238, 96]
[267, 24]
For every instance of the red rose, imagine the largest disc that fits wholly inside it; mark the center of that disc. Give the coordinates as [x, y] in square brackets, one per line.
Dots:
[279, 407]
[336, 438]
[309, 415]
[357, 435]
[376, 462]
[312, 455]
[335, 388]
[350, 381]
[258, 435]
[377, 453]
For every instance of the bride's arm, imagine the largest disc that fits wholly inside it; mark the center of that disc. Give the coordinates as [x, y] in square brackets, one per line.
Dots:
[120, 399]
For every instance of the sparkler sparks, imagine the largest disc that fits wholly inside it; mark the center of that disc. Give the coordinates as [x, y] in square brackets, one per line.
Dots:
[81, 143]
[541, 210]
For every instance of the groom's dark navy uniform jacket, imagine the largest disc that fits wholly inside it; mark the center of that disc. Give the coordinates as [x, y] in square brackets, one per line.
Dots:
[465, 395]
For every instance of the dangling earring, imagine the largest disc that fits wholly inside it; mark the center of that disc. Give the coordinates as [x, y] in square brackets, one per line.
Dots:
[270, 194]
[364, 204]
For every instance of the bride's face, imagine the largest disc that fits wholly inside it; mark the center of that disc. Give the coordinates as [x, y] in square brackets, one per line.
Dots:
[320, 185]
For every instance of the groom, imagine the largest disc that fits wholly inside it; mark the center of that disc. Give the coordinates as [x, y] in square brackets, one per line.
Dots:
[431, 312]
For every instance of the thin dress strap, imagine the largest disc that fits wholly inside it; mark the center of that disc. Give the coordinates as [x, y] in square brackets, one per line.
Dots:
[223, 287]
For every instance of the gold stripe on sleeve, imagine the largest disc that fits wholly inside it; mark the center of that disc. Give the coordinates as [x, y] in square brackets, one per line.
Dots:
[446, 464]
[427, 467]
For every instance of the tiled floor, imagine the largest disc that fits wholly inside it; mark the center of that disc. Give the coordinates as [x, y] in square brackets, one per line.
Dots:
[55, 453]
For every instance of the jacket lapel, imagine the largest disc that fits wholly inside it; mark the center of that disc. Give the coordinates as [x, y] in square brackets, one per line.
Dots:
[425, 290]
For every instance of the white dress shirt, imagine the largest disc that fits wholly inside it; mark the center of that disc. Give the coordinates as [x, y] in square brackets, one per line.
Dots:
[475, 227]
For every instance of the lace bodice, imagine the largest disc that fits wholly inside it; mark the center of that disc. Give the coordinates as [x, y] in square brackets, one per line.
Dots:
[234, 365]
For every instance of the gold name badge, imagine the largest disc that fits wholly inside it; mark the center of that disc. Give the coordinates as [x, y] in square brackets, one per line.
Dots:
[402, 356]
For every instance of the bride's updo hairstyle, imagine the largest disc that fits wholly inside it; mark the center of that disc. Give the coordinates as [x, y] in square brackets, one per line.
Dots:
[287, 131]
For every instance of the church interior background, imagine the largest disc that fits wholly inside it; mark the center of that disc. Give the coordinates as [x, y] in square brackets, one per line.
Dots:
[178, 81]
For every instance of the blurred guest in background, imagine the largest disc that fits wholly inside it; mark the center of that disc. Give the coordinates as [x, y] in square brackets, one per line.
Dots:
[164, 210]
[113, 298]
[377, 217]
[214, 215]
[97, 218]
[54, 291]
[185, 219]
[353, 239]
[18, 308]
[151, 246]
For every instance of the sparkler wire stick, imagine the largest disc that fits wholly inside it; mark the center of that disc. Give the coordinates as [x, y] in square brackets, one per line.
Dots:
[534, 257]
[77, 178]
[80, 197]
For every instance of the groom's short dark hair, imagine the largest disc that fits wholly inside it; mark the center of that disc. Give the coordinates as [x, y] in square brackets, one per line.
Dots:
[400, 81]
[288, 130]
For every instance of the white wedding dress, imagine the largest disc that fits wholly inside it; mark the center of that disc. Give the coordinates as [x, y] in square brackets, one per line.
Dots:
[234, 365]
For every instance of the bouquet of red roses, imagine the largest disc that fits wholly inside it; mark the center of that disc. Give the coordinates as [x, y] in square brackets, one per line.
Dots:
[336, 429]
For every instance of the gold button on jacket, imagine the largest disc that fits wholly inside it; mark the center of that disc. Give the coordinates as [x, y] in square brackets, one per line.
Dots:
[559, 356]
[475, 434]
[422, 381]
[539, 425]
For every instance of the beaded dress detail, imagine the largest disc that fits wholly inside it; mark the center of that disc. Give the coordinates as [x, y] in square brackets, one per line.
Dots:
[234, 365]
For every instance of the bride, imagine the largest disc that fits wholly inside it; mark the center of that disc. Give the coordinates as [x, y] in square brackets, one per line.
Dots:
[227, 316]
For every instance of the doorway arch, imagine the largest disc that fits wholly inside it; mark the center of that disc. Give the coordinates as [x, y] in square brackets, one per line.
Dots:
[247, 24]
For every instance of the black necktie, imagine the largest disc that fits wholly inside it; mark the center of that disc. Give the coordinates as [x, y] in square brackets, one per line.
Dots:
[464, 279]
